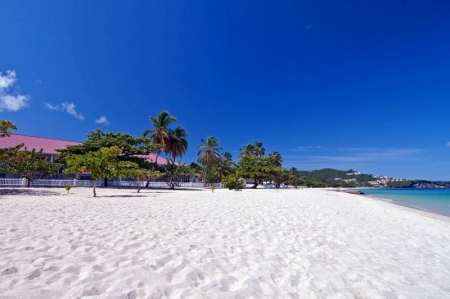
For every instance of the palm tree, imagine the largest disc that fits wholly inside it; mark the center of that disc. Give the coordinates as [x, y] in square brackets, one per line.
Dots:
[208, 153]
[259, 149]
[248, 150]
[276, 158]
[178, 143]
[160, 134]
[227, 156]
[256, 149]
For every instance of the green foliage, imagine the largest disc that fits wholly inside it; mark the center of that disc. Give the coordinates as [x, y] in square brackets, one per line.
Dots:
[141, 175]
[256, 149]
[328, 175]
[209, 153]
[220, 170]
[131, 148]
[172, 142]
[160, 134]
[67, 187]
[27, 164]
[255, 165]
[234, 182]
[104, 163]
[5, 128]
[175, 173]
[255, 168]
[402, 184]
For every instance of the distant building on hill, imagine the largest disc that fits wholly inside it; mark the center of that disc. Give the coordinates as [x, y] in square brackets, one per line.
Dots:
[49, 147]
[354, 173]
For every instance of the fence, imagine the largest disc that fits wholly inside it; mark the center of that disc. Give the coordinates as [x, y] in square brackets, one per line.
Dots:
[8, 182]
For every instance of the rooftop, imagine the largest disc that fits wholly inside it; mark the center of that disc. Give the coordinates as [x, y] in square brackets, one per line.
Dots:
[50, 145]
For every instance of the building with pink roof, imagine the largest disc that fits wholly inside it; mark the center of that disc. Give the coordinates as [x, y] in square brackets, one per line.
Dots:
[50, 145]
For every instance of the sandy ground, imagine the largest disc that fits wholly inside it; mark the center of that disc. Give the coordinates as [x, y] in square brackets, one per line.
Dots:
[198, 244]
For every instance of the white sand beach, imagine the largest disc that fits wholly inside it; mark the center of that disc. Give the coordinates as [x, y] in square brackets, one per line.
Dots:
[197, 244]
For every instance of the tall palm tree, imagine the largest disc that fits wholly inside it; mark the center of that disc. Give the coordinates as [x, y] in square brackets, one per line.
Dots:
[276, 158]
[248, 150]
[178, 143]
[208, 153]
[227, 156]
[256, 149]
[259, 149]
[160, 134]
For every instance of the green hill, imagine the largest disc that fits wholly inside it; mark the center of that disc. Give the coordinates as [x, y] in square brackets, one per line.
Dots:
[339, 178]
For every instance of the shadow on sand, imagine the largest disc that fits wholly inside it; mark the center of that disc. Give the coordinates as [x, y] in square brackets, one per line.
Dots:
[28, 191]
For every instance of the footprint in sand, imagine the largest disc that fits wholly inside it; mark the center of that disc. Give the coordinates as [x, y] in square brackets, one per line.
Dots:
[9, 271]
[94, 291]
[35, 274]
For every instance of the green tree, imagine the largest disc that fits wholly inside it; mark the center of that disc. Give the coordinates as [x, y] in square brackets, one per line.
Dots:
[220, 170]
[234, 182]
[254, 167]
[103, 163]
[160, 133]
[27, 164]
[141, 175]
[209, 153]
[178, 143]
[5, 128]
[132, 149]
[175, 173]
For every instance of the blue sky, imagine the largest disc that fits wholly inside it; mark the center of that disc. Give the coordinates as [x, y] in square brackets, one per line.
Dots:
[342, 84]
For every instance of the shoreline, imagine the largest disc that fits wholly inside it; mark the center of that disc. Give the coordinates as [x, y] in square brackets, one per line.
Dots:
[410, 208]
[413, 209]
[403, 206]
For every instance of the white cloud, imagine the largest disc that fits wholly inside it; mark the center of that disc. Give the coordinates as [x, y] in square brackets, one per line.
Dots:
[67, 107]
[102, 120]
[10, 101]
[51, 107]
[447, 144]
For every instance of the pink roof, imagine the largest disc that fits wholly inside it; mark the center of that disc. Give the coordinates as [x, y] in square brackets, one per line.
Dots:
[49, 145]
[152, 157]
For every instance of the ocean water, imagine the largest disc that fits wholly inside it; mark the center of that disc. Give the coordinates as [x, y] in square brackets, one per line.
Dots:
[430, 200]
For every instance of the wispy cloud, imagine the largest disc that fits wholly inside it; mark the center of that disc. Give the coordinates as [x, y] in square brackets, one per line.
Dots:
[447, 144]
[38, 82]
[308, 27]
[11, 101]
[102, 120]
[308, 148]
[355, 157]
[67, 107]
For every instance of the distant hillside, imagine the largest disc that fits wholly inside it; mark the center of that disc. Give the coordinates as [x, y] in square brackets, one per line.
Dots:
[340, 178]
[351, 178]
[429, 184]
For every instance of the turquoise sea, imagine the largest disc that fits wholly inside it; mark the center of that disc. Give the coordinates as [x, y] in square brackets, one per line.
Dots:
[430, 200]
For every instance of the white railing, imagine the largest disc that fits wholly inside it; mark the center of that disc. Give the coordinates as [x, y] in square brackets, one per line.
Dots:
[11, 182]
[8, 182]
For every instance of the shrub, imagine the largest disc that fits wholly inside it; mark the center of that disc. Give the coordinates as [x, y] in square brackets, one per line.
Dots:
[67, 188]
[233, 182]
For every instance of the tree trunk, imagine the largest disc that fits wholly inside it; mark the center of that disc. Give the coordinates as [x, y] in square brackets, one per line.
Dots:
[95, 181]
[206, 176]
[28, 182]
[139, 186]
[106, 182]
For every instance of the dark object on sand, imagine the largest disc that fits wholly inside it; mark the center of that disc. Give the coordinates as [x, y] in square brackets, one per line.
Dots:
[353, 191]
